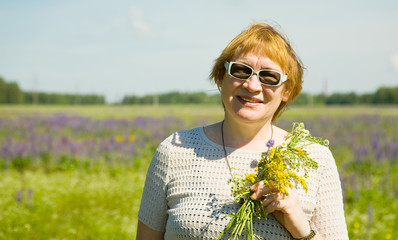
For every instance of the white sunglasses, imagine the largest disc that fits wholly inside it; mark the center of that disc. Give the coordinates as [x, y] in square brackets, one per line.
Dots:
[265, 76]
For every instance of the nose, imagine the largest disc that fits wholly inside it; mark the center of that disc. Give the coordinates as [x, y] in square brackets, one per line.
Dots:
[253, 83]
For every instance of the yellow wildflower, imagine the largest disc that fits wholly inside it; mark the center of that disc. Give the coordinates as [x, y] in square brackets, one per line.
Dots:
[357, 225]
[272, 152]
[119, 138]
[251, 177]
[132, 137]
[301, 152]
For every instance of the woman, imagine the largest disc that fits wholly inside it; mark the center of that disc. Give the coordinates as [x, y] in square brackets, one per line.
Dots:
[187, 193]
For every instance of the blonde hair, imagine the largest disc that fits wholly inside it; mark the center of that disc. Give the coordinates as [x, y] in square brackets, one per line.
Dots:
[262, 39]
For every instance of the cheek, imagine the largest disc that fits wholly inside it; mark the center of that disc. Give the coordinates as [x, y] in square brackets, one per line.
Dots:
[274, 94]
[229, 85]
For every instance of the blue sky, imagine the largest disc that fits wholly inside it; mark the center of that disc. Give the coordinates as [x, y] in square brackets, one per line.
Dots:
[121, 47]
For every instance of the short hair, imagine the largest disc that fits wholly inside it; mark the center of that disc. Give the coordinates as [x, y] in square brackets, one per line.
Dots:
[262, 39]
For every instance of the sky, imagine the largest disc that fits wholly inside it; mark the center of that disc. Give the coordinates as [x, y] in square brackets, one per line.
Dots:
[119, 47]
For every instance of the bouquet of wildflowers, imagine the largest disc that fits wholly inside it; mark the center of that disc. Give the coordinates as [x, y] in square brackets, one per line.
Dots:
[278, 168]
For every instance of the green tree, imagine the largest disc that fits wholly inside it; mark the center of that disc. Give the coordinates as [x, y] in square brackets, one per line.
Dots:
[386, 95]
[303, 99]
[3, 91]
[342, 98]
[319, 99]
[14, 95]
[366, 98]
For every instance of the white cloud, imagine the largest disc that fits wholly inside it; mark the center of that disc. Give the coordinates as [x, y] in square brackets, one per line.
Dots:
[139, 24]
[394, 61]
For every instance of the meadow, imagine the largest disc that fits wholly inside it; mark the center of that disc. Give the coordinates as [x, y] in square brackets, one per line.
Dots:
[77, 172]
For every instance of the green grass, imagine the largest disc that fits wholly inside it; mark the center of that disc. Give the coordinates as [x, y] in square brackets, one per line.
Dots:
[187, 112]
[114, 111]
[70, 205]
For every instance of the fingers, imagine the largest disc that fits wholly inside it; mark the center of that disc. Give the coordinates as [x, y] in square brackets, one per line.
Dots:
[259, 190]
[273, 202]
[256, 186]
[266, 200]
[287, 204]
[274, 206]
[276, 201]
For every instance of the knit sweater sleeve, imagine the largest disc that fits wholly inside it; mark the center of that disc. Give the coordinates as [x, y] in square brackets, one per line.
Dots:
[153, 208]
[329, 212]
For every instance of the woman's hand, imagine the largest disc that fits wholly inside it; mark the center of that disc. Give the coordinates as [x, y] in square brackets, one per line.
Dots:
[285, 208]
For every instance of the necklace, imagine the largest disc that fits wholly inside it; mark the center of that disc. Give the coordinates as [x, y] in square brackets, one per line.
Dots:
[269, 144]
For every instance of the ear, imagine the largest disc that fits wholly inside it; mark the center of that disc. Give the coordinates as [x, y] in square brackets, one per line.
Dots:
[219, 85]
[286, 94]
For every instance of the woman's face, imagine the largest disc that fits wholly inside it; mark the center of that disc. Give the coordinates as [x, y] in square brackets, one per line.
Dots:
[250, 101]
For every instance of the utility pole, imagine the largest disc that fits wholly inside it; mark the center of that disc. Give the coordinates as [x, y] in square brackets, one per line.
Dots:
[77, 95]
[325, 87]
[155, 100]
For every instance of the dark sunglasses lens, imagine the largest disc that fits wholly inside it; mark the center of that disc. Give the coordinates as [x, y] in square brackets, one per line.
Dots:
[270, 78]
[240, 71]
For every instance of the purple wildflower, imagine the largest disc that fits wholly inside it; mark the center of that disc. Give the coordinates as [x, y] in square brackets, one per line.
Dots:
[270, 143]
[19, 196]
[30, 194]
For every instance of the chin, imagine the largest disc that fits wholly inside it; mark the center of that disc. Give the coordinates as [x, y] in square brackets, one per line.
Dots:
[250, 116]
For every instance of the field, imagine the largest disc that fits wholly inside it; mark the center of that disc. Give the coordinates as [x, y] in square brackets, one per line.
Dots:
[77, 172]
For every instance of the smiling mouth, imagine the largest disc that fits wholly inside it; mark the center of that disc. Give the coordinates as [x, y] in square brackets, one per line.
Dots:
[250, 100]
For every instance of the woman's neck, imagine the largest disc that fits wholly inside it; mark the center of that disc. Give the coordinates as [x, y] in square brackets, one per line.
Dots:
[251, 136]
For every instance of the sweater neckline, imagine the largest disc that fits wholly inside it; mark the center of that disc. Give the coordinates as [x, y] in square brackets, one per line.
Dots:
[229, 149]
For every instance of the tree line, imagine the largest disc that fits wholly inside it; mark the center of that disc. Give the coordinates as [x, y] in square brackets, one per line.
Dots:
[174, 98]
[11, 93]
[383, 95]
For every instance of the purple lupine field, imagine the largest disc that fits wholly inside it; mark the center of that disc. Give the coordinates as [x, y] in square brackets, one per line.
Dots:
[61, 138]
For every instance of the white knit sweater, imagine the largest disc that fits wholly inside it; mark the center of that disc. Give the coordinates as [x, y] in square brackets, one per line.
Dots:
[187, 194]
